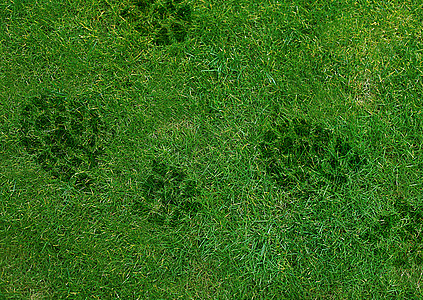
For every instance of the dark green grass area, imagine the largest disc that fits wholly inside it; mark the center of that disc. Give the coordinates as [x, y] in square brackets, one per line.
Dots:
[64, 136]
[211, 149]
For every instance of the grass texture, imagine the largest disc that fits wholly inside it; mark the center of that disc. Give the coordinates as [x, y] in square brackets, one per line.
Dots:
[180, 149]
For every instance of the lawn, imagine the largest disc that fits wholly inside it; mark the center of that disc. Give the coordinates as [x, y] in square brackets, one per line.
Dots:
[215, 149]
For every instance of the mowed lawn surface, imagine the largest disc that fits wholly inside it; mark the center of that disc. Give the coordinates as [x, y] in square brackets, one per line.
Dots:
[186, 149]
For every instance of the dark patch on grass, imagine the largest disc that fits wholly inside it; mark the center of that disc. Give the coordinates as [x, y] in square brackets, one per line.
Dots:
[381, 228]
[166, 22]
[168, 194]
[405, 221]
[184, 13]
[179, 32]
[299, 152]
[144, 4]
[410, 221]
[65, 136]
[162, 37]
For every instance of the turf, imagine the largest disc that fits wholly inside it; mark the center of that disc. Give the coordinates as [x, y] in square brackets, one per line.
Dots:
[211, 149]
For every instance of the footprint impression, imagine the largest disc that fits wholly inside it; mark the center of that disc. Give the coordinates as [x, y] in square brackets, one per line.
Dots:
[168, 21]
[66, 137]
[168, 195]
[296, 151]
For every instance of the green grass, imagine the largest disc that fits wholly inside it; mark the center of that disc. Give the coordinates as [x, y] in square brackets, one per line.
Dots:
[211, 149]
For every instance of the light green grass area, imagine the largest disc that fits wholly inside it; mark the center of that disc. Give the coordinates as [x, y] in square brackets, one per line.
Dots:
[183, 149]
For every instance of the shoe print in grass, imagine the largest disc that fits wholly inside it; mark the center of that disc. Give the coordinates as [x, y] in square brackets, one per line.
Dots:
[296, 151]
[163, 22]
[168, 195]
[66, 137]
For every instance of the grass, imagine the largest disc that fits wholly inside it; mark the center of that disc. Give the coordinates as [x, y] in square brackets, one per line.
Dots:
[211, 149]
